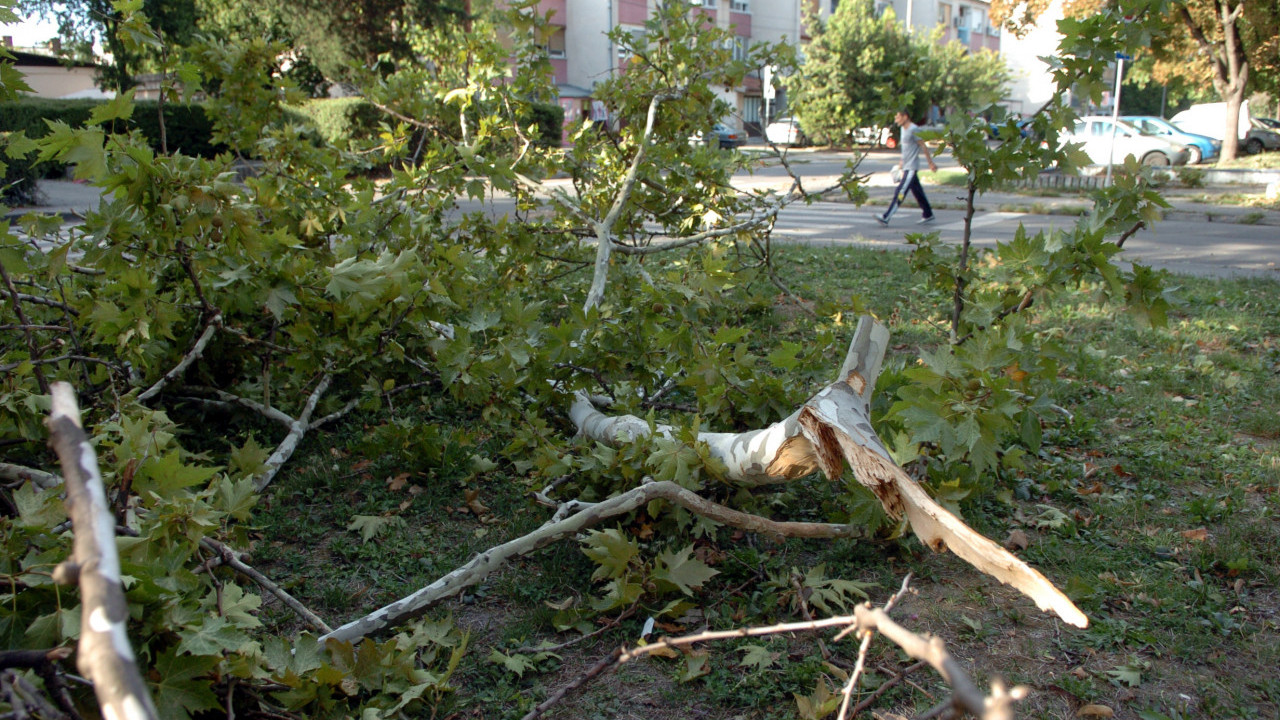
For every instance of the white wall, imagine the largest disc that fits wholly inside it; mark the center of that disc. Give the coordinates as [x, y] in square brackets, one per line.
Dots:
[586, 45]
[1032, 82]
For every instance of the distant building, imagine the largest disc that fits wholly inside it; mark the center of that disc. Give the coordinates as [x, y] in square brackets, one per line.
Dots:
[582, 55]
[51, 77]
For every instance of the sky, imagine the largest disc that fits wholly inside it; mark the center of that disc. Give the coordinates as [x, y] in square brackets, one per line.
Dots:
[31, 32]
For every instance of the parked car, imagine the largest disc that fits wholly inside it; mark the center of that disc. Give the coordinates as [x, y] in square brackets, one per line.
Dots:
[1201, 147]
[785, 131]
[1261, 137]
[724, 136]
[1095, 134]
[1211, 119]
[1271, 123]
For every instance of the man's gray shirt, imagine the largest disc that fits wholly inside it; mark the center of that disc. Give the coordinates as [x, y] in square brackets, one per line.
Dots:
[910, 148]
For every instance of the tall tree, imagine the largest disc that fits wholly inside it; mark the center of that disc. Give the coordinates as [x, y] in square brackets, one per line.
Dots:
[860, 69]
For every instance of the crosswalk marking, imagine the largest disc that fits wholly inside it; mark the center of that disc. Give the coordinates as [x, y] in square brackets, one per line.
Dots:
[982, 220]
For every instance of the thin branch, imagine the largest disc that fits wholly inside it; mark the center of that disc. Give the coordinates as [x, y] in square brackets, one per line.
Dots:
[1129, 233]
[18, 473]
[601, 665]
[231, 558]
[27, 326]
[196, 351]
[587, 515]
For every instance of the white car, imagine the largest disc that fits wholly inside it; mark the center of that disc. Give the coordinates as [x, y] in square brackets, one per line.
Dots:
[1095, 133]
[785, 131]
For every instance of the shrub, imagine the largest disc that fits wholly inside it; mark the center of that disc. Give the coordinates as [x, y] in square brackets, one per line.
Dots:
[340, 121]
[550, 120]
[18, 181]
[187, 128]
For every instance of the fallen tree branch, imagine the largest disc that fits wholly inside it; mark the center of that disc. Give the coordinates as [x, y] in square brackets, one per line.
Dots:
[297, 428]
[105, 655]
[588, 515]
[834, 428]
[197, 349]
[229, 557]
[45, 663]
[18, 473]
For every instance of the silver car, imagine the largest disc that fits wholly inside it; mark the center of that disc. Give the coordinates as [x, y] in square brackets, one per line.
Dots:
[1095, 134]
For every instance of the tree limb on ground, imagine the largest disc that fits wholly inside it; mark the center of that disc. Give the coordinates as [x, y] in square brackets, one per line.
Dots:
[588, 515]
[832, 428]
[105, 655]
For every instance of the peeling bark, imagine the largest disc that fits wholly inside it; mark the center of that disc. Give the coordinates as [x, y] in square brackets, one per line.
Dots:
[834, 428]
[105, 655]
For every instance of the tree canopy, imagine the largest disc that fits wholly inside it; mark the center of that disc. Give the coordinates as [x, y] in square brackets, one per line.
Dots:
[861, 68]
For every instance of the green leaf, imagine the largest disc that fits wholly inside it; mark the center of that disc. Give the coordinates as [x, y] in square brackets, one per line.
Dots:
[182, 688]
[758, 657]
[611, 550]
[682, 570]
[212, 637]
[515, 663]
[250, 459]
[167, 474]
[371, 526]
[237, 606]
[118, 108]
[237, 498]
[38, 509]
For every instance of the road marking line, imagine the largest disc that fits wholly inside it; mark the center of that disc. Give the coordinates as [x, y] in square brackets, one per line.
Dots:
[983, 220]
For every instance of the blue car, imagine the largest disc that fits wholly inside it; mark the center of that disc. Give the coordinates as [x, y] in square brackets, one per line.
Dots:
[1202, 148]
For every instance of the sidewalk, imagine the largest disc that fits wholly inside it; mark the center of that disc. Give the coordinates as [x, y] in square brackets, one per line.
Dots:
[72, 200]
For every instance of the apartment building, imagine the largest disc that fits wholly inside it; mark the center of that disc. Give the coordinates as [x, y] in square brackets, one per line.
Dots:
[582, 55]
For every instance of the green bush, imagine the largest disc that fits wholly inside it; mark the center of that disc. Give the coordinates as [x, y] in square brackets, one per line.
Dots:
[550, 120]
[187, 128]
[187, 131]
[340, 121]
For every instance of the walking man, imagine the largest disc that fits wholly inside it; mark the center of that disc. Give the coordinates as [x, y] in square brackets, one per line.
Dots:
[909, 167]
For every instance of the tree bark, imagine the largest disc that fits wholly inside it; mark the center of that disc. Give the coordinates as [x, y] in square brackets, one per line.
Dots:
[105, 655]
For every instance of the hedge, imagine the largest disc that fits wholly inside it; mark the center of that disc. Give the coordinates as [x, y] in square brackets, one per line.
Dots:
[339, 121]
[187, 130]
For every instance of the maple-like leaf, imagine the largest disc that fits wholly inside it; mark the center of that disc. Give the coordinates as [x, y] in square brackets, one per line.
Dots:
[682, 570]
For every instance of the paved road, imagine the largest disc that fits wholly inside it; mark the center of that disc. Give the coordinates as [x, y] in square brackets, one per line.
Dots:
[1187, 245]
[1194, 248]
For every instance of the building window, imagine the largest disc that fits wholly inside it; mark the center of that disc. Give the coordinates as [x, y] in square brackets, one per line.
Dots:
[627, 48]
[739, 48]
[555, 44]
[709, 4]
[944, 14]
[740, 5]
[751, 109]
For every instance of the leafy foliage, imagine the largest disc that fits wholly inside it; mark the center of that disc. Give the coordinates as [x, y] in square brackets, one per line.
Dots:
[861, 68]
[311, 294]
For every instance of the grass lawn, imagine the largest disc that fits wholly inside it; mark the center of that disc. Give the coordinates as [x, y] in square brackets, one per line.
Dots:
[1154, 503]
